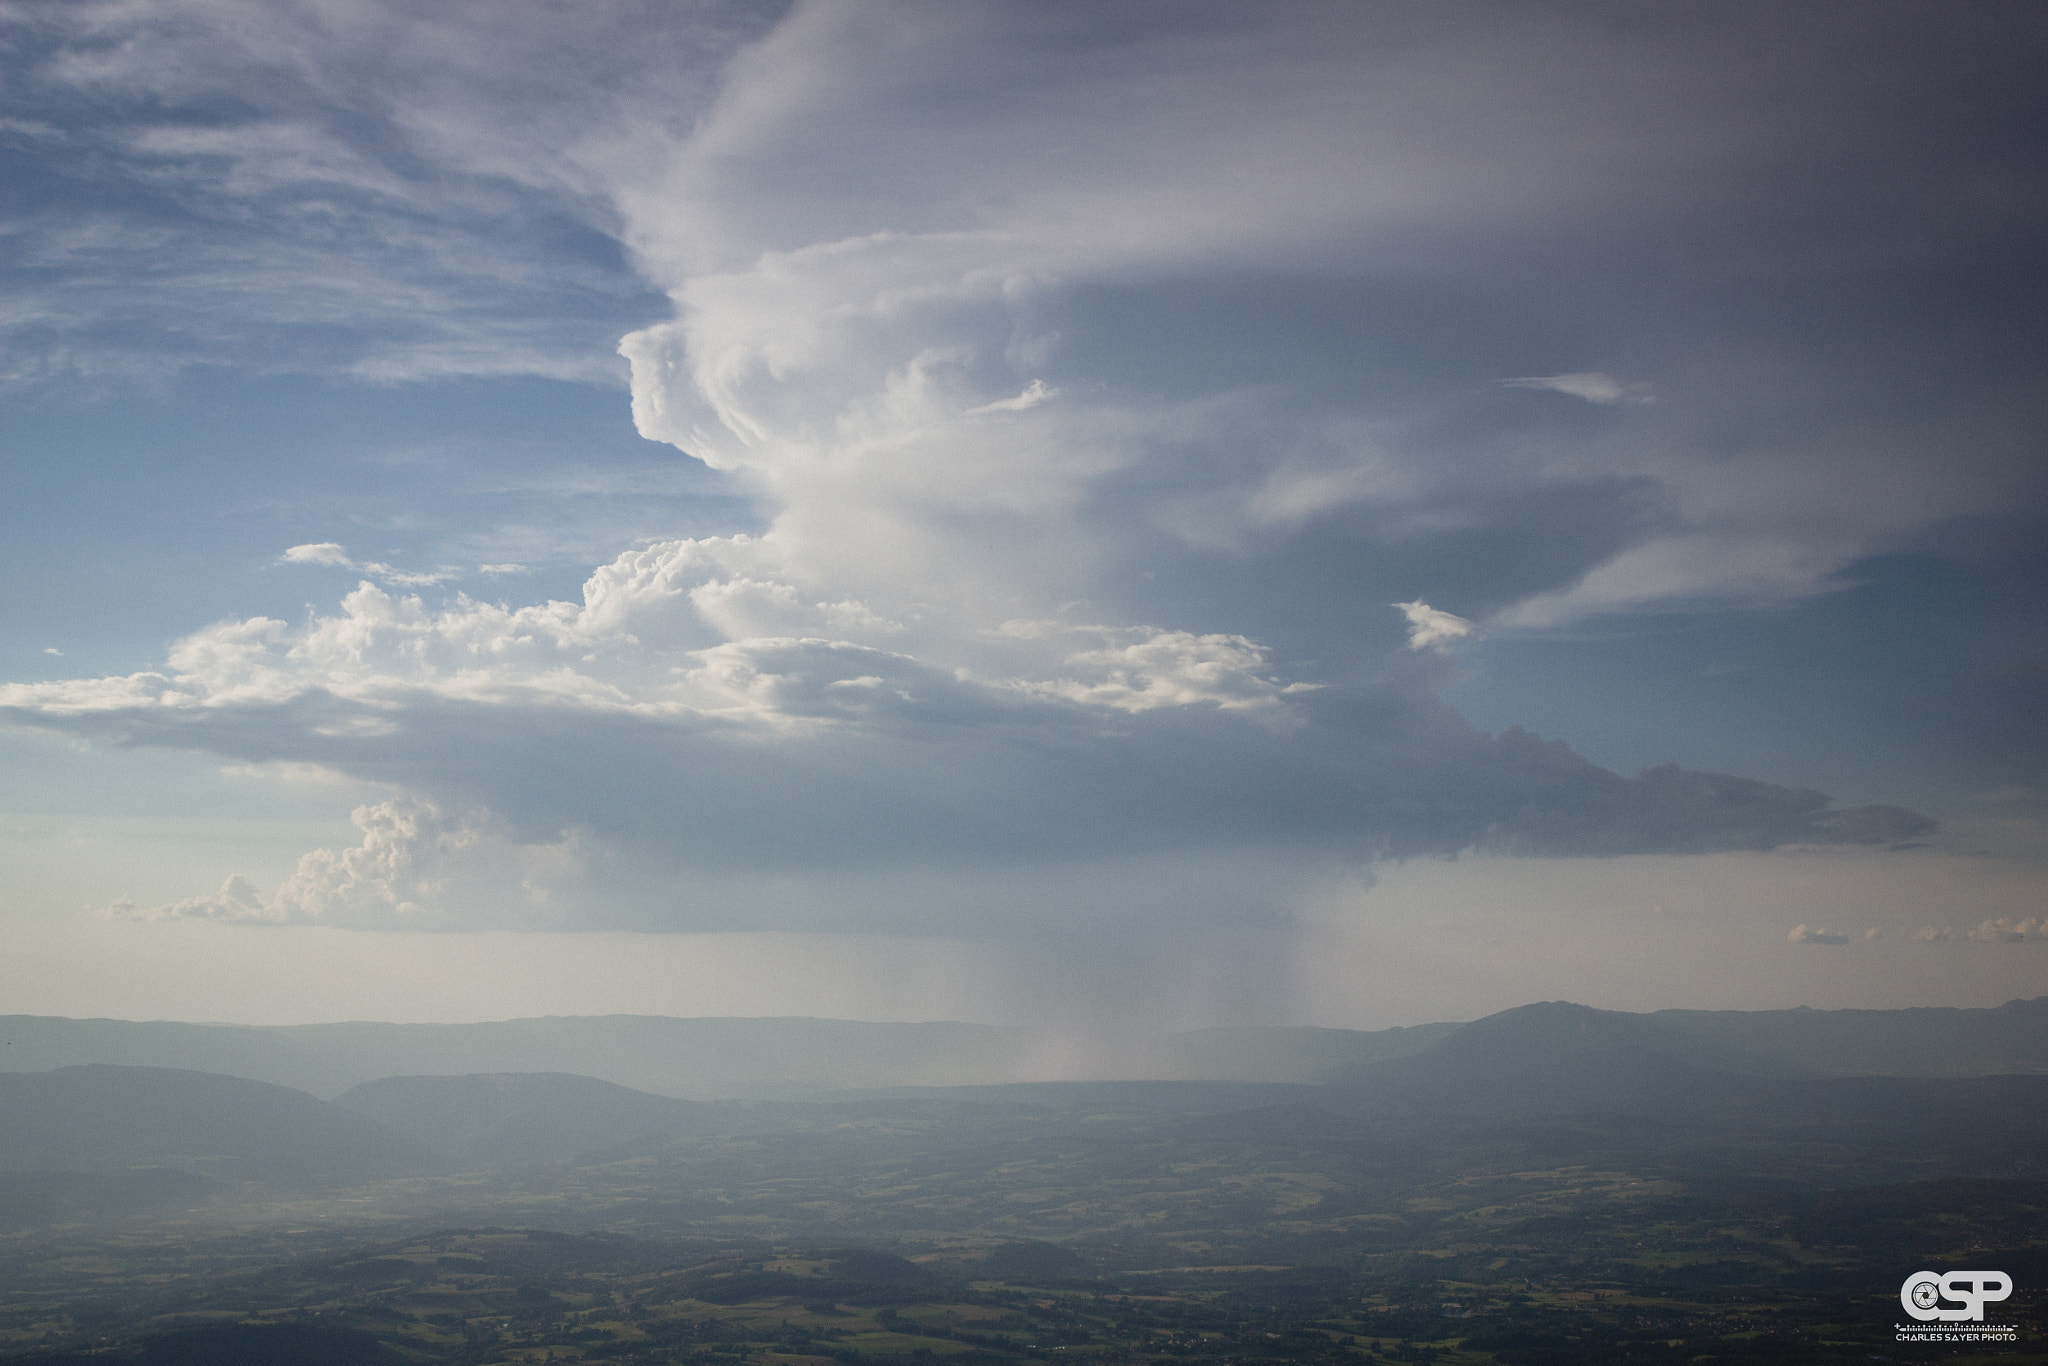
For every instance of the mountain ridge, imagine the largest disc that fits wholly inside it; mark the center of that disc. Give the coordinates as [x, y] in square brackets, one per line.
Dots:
[798, 1057]
[104, 1118]
[522, 1116]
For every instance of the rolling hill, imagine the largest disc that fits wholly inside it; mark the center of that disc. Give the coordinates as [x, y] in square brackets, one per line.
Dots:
[100, 1118]
[522, 1116]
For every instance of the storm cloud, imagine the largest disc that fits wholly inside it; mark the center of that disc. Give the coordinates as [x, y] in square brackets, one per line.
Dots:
[1141, 407]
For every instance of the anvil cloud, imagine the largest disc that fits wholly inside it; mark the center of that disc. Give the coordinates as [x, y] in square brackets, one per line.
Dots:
[1142, 408]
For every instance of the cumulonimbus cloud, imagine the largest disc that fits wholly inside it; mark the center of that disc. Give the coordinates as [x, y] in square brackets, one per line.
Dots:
[1044, 586]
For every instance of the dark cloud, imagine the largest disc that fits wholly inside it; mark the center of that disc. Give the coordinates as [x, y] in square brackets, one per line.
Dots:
[922, 770]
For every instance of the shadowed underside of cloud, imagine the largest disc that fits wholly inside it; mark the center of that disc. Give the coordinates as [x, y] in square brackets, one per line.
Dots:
[578, 764]
[1360, 774]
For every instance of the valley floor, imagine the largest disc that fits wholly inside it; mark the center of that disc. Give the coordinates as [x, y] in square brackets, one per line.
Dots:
[1105, 1225]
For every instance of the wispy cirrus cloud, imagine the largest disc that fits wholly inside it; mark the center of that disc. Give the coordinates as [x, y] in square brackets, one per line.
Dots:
[1590, 385]
[359, 189]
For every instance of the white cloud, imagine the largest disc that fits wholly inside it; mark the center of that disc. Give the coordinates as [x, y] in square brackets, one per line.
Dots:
[828, 347]
[668, 732]
[384, 573]
[331, 554]
[1688, 571]
[1815, 934]
[869, 221]
[1035, 393]
[237, 901]
[323, 552]
[416, 868]
[1143, 669]
[1590, 385]
[1429, 628]
[2007, 930]
[1995, 930]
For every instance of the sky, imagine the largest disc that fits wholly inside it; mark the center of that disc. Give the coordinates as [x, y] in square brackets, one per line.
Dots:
[1128, 516]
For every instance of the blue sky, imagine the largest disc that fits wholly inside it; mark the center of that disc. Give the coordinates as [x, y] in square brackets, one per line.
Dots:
[1334, 504]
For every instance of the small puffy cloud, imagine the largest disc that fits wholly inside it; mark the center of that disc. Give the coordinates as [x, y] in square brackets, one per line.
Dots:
[1590, 385]
[1144, 668]
[384, 573]
[417, 867]
[2001, 930]
[1815, 934]
[237, 902]
[1429, 628]
[52, 650]
[321, 552]
[2006, 930]
[501, 569]
[333, 555]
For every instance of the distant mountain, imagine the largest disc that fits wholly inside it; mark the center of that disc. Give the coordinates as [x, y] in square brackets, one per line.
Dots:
[712, 1059]
[1297, 1053]
[522, 1116]
[1930, 1043]
[1557, 1059]
[703, 1059]
[101, 1119]
[1921, 1041]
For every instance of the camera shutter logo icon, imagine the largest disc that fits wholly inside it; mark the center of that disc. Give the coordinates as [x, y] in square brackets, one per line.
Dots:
[1924, 1291]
